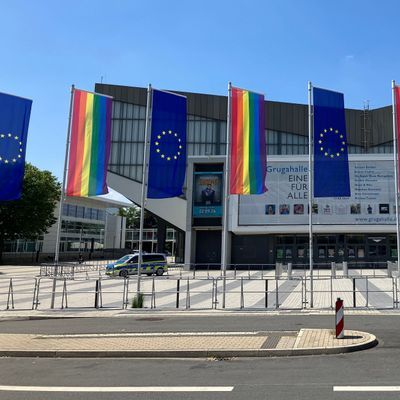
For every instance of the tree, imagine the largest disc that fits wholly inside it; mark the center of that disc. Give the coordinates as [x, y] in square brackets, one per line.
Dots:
[33, 214]
[132, 215]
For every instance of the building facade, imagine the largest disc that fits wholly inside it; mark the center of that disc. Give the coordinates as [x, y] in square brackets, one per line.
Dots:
[88, 227]
[150, 240]
[271, 227]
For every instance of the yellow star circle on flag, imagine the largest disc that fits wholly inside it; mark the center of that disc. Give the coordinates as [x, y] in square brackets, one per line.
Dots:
[166, 153]
[16, 149]
[331, 143]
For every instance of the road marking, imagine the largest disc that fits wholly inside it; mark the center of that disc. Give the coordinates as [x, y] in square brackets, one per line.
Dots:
[116, 388]
[366, 388]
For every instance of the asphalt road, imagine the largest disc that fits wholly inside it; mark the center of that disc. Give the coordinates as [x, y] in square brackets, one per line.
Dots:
[311, 377]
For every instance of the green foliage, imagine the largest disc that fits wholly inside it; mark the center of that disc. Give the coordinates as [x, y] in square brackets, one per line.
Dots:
[33, 214]
[137, 301]
[132, 215]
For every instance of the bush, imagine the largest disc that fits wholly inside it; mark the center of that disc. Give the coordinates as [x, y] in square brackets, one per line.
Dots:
[137, 301]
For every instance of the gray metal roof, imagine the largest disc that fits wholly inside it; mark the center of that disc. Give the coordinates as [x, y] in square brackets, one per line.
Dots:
[279, 116]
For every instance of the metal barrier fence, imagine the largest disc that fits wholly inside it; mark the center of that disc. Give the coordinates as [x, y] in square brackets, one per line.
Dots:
[70, 270]
[345, 269]
[200, 293]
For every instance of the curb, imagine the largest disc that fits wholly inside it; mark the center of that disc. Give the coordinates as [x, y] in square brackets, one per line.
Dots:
[372, 341]
[66, 314]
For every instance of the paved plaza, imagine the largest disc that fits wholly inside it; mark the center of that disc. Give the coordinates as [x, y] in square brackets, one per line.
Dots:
[23, 288]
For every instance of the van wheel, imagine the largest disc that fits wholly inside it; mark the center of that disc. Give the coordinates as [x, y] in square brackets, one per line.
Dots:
[159, 271]
[149, 274]
[124, 273]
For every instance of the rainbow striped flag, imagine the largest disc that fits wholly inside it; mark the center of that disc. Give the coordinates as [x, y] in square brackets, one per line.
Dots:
[248, 149]
[89, 149]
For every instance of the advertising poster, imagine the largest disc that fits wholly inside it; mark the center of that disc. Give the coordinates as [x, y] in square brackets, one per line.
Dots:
[372, 198]
[207, 194]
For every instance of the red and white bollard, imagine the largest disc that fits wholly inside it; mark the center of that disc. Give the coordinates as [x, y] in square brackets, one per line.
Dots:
[339, 319]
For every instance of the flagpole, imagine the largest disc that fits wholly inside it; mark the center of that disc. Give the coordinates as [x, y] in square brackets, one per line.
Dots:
[59, 221]
[226, 195]
[310, 190]
[144, 185]
[396, 183]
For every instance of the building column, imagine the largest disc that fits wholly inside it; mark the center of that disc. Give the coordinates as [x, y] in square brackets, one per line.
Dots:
[179, 246]
[161, 235]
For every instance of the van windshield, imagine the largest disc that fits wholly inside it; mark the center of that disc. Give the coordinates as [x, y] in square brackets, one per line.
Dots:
[123, 259]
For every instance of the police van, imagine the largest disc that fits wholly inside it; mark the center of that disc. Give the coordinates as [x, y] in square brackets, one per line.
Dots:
[153, 263]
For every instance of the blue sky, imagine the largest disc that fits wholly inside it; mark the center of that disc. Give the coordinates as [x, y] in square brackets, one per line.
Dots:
[273, 47]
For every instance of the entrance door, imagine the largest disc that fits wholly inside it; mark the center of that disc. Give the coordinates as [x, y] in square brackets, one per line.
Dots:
[208, 248]
[377, 249]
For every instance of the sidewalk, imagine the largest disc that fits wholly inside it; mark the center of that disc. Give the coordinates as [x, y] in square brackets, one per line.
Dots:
[192, 344]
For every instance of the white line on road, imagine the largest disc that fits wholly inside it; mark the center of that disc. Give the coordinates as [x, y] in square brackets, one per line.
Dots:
[366, 388]
[116, 388]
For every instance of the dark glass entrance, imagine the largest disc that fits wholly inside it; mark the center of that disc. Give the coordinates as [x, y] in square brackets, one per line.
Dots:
[208, 247]
[357, 249]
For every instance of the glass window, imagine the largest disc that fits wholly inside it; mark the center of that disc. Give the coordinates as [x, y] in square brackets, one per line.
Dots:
[129, 235]
[88, 212]
[80, 211]
[302, 239]
[353, 239]
[331, 252]
[101, 215]
[301, 252]
[150, 258]
[381, 251]
[72, 210]
[285, 239]
[326, 239]
[372, 251]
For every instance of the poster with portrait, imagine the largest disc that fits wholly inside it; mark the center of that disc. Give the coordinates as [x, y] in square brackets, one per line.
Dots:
[207, 194]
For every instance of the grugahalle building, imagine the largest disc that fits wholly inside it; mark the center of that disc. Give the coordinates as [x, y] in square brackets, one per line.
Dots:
[272, 227]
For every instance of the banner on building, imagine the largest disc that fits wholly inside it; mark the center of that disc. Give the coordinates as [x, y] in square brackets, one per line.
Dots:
[89, 149]
[372, 199]
[331, 165]
[207, 194]
[248, 148]
[167, 165]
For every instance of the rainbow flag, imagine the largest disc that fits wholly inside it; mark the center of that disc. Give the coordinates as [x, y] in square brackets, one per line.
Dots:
[248, 148]
[89, 149]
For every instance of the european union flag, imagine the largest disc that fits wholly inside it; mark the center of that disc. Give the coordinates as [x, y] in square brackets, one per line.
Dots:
[14, 121]
[331, 165]
[167, 163]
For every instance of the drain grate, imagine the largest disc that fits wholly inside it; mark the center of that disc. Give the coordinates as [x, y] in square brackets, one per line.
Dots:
[273, 339]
